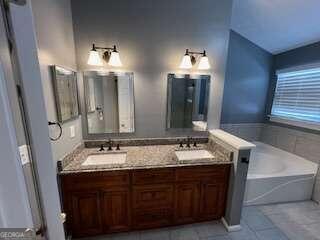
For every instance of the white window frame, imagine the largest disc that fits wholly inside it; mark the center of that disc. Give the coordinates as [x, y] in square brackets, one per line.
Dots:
[296, 123]
[293, 121]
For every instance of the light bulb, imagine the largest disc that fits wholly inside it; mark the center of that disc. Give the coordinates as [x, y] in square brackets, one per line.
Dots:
[115, 59]
[204, 63]
[94, 58]
[186, 62]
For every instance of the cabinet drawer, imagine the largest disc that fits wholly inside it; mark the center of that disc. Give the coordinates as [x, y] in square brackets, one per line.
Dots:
[153, 196]
[153, 176]
[94, 180]
[152, 218]
[216, 173]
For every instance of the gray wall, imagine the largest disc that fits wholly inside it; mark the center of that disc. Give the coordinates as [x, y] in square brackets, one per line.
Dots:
[152, 37]
[299, 56]
[53, 22]
[247, 79]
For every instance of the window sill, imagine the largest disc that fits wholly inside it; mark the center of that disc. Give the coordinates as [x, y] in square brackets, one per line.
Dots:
[297, 123]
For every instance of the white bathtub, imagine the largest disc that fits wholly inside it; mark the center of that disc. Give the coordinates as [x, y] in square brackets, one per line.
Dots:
[276, 176]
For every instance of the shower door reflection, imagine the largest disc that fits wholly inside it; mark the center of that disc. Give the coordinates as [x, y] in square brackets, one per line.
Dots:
[187, 101]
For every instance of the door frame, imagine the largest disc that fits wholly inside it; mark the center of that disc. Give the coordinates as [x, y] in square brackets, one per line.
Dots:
[30, 89]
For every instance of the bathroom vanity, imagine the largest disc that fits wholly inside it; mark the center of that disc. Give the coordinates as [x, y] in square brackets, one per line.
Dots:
[152, 189]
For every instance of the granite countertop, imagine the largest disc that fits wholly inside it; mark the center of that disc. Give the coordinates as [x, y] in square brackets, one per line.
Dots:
[140, 157]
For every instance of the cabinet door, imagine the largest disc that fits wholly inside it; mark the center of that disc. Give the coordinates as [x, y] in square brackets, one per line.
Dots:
[116, 210]
[187, 202]
[212, 201]
[86, 218]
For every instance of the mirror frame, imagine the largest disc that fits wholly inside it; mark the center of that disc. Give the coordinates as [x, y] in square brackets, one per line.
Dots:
[84, 109]
[170, 77]
[56, 97]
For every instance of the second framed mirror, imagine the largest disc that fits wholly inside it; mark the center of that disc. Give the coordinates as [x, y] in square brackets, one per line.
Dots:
[187, 101]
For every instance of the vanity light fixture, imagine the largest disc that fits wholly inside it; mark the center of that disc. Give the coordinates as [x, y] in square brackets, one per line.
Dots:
[110, 55]
[189, 59]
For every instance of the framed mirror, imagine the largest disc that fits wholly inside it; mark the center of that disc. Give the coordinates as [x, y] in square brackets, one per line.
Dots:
[187, 101]
[66, 93]
[109, 101]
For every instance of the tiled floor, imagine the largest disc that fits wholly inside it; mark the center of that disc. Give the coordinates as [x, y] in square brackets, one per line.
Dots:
[290, 221]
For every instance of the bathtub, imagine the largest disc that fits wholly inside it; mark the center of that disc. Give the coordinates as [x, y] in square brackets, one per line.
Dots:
[277, 176]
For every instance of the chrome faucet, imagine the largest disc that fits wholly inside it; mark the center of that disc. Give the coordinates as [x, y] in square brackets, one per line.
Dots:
[189, 139]
[101, 148]
[110, 144]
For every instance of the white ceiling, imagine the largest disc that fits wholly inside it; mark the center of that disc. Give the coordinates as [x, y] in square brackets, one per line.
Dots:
[277, 25]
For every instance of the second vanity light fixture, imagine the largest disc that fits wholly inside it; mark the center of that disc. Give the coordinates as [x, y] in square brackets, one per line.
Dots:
[189, 59]
[110, 55]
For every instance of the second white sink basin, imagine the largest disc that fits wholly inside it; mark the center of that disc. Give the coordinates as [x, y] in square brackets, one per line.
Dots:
[190, 155]
[101, 159]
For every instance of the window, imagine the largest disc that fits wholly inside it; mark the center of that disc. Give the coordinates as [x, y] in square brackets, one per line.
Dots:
[297, 96]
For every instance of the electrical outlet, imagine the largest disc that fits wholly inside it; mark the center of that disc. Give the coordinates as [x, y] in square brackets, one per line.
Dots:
[24, 154]
[72, 131]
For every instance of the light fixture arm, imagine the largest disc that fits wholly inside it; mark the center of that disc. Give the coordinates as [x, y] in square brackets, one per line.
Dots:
[195, 53]
[94, 47]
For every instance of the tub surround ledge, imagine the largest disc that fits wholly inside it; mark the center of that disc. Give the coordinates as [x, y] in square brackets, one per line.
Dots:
[225, 138]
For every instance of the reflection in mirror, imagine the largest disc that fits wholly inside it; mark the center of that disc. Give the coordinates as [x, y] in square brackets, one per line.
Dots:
[109, 102]
[187, 102]
[66, 93]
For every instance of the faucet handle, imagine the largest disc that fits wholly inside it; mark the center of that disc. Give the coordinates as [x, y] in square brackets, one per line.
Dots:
[110, 145]
[188, 141]
[101, 148]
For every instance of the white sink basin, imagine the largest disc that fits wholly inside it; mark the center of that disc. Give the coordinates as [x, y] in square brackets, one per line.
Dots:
[101, 159]
[190, 155]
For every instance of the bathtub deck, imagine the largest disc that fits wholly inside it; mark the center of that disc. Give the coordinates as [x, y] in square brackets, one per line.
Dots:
[289, 221]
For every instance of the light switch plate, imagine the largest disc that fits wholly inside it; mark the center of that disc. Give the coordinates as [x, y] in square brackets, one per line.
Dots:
[24, 154]
[72, 131]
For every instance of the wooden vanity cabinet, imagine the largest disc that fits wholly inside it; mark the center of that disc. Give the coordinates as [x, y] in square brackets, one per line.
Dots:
[117, 201]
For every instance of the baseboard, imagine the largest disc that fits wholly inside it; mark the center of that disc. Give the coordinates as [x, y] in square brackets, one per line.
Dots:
[233, 228]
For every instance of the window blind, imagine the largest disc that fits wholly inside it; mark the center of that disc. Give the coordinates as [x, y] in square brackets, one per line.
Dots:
[297, 95]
